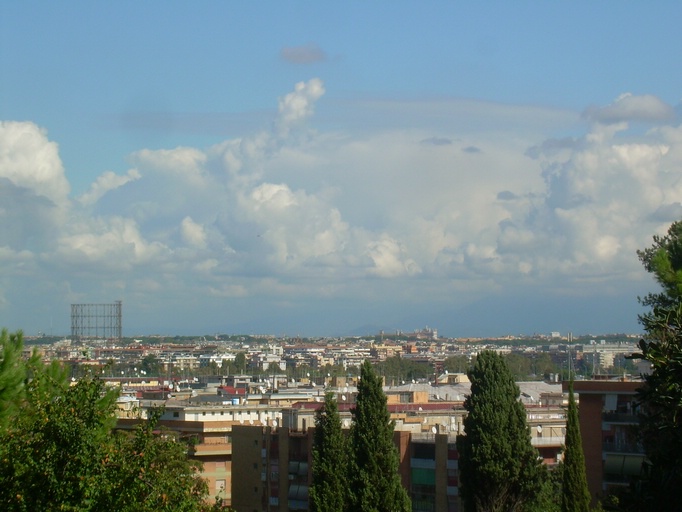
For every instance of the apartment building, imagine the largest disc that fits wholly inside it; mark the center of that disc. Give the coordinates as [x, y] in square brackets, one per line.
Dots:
[209, 429]
[255, 444]
[276, 461]
[608, 416]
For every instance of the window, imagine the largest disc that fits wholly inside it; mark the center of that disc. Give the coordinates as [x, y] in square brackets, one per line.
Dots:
[220, 487]
[176, 414]
[424, 451]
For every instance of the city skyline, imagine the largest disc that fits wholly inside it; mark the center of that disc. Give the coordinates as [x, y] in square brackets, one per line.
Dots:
[320, 170]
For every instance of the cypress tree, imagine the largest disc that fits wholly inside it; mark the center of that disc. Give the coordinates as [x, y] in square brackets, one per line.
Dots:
[499, 468]
[575, 495]
[374, 481]
[329, 488]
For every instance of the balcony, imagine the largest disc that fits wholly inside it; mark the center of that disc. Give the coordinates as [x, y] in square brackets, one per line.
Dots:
[548, 441]
[622, 447]
[620, 417]
[204, 449]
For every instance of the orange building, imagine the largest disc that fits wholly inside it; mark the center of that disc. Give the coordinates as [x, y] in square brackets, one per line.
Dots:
[608, 415]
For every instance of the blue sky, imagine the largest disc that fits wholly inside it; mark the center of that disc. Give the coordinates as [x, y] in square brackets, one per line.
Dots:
[318, 168]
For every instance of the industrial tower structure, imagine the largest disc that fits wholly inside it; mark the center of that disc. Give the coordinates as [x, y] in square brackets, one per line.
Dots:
[96, 321]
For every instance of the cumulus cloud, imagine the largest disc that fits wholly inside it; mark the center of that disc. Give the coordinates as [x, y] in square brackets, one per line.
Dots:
[105, 183]
[553, 147]
[306, 54]
[389, 259]
[34, 201]
[29, 160]
[629, 107]
[299, 104]
[110, 243]
[183, 162]
[193, 233]
[605, 194]
[354, 215]
[300, 229]
[667, 213]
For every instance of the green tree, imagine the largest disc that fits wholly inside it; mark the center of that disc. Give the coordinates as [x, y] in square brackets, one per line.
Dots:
[660, 399]
[240, 362]
[373, 480]
[13, 375]
[519, 365]
[575, 496]
[148, 472]
[59, 452]
[661, 395]
[548, 495]
[328, 492]
[543, 364]
[664, 260]
[397, 369]
[51, 453]
[151, 365]
[457, 364]
[499, 468]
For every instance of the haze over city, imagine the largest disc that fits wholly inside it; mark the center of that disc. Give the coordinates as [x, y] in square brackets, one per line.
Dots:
[327, 169]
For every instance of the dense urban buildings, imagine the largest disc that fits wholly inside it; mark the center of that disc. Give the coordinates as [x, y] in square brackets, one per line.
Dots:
[252, 428]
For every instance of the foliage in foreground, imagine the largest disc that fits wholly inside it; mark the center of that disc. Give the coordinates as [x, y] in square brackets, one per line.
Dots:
[58, 449]
[660, 399]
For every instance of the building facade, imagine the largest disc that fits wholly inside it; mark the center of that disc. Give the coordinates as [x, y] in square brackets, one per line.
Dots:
[608, 418]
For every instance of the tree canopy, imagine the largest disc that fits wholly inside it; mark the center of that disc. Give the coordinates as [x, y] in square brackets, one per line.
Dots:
[397, 369]
[661, 395]
[664, 261]
[329, 490]
[499, 468]
[575, 496]
[374, 480]
[13, 375]
[59, 449]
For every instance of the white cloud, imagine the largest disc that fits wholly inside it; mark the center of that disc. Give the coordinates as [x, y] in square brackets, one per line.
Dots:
[389, 260]
[193, 233]
[105, 183]
[299, 229]
[34, 201]
[628, 107]
[601, 194]
[182, 162]
[29, 160]
[426, 209]
[111, 243]
[299, 104]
